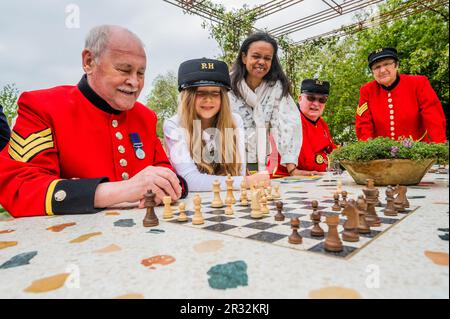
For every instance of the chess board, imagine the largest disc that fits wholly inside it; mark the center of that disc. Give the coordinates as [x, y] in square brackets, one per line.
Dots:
[296, 203]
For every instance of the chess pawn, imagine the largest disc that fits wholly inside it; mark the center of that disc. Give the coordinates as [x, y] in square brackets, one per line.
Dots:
[279, 217]
[333, 242]
[244, 197]
[217, 201]
[150, 219]
[361, 206]
[316, 231]
[276, 194]
[390, 209]
[295, 237]
[343, 203]
[336, 207]
[230, 194]
[264, 209]
[197, 219]
[351, 225]
[269, 194]
[168, 213]
[256, 205]
[182, 209]
[229, 209]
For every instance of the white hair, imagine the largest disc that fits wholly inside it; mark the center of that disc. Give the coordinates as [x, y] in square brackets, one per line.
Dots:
[98, 38]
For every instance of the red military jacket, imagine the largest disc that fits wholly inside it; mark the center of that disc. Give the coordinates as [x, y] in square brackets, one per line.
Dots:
[409, 108]
[65, 142]
[316, 146]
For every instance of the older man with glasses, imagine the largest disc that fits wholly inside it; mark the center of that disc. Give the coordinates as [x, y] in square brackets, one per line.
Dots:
[397, 105]
[317, 142]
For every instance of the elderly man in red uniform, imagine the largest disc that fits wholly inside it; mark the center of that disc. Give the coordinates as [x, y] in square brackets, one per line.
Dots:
[398, 105]
[317, 142]
[78, 149]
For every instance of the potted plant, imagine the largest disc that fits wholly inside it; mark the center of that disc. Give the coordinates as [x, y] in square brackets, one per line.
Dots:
[390, 162]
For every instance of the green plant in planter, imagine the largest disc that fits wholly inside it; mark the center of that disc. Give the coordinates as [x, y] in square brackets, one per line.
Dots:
[385, 148]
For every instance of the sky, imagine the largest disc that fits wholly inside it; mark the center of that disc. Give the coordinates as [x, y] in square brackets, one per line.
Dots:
[41, 41]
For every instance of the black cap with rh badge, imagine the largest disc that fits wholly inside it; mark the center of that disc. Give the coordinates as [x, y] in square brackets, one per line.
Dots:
[315, 86]
[381, 54]
[203, 72]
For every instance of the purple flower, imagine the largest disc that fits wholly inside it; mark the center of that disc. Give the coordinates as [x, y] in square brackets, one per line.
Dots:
[407, 143]
[394, 151]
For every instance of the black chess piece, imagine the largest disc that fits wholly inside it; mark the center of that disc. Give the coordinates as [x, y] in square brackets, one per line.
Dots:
[316, 231]
[390, 209]
[150, 219]
[400, 201]
[343, 203]
[295, 237]
[371, 194]
[336, 207]
[279, 217]
[361, 206]
[351, 224]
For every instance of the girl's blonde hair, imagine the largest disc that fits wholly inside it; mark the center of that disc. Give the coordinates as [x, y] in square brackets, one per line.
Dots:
[223, 120]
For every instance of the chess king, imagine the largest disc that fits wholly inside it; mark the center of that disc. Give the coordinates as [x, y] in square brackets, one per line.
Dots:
[317, 142]
[398, 105]
[79, 149]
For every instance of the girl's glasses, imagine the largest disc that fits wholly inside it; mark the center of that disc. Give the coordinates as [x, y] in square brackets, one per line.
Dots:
[205, 94]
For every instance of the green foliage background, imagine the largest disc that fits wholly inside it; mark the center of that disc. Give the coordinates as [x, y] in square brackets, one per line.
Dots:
[422, 41]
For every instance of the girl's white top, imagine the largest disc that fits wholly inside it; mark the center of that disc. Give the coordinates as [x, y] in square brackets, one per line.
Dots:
[178, 151]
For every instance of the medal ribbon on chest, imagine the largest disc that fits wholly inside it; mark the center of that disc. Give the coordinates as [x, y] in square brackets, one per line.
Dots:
[137, 145]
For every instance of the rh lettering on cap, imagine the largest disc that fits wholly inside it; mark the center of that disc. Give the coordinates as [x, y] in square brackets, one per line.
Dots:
[379, 51]
[207, 66]
[319, 82]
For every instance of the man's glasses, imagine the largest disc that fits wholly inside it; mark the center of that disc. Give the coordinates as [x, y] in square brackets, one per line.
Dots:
[320, 99]
[214, 95]
[384, 65]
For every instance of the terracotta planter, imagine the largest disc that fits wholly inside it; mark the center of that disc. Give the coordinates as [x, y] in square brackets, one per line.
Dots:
[388, 171]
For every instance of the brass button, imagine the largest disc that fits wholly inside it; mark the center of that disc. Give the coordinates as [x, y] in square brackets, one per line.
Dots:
[392, 134]
[390, 100]
[119, 136]
[392, 129]
[389, 94]
[60, 196]
[392, 123]
[392, 111]
[125, 176]
[123, 162]
[392, 117]
[391, 106]
[121, 149]
[115, 123]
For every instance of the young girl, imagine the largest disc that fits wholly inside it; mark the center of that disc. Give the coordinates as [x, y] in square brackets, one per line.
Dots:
[205, 140]
[261, 97]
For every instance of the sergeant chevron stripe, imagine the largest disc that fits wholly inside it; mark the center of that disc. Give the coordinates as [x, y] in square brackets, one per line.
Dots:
[23, 149]
[361, 109]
